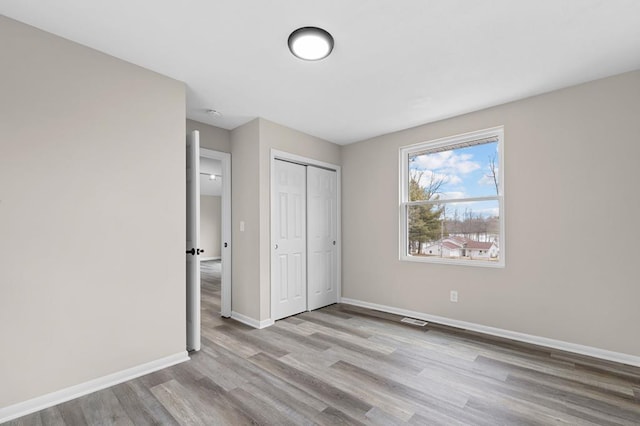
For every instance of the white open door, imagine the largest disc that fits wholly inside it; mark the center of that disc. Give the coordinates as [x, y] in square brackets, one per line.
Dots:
[322, 230]
[288, 257]
[193, 241]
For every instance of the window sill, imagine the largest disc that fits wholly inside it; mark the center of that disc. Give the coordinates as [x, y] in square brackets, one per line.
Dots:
[443, 261]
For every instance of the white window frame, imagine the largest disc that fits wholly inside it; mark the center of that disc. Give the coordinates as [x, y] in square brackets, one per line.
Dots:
[404, 203]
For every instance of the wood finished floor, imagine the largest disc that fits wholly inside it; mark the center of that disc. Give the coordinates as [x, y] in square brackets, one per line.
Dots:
[348, 365]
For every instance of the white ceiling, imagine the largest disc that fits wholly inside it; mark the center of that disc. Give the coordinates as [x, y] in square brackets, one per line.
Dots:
[395, 64]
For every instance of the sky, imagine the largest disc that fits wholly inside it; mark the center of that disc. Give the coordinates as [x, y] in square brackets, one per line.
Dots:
[466, 174]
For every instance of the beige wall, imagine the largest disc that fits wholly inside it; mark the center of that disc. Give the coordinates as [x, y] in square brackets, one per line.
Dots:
[571, 188]
[251, 146]
[210, 225]
[211, 137]
[245, 254]
[91, 212]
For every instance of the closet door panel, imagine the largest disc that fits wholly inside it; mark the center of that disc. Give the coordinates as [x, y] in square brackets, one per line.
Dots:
[289, 250]
[322, 216]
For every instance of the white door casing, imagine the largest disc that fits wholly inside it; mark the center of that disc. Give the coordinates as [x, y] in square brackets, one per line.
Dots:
[321, 237]
[288, 251]
[193, 241]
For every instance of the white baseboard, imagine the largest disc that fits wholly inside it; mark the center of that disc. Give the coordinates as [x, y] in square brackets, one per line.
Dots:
[513, 335]
[63, 395]
[202, 259]
[250, 321]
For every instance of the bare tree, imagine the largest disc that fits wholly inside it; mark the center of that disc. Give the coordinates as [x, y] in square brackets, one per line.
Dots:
[493, 172]
[424, 220]
[429, 191]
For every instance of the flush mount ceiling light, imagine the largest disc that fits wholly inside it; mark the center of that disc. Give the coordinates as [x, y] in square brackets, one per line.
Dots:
[211, 176]
[310, 43]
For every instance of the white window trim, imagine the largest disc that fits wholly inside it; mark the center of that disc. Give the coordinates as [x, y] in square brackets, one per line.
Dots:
[404, 196]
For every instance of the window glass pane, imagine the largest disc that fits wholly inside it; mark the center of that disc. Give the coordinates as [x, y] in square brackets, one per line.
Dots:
[464, 231]
[464, 172]
[425, 226]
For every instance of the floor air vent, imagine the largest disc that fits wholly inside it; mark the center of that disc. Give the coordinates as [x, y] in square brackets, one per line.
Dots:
[414, 321]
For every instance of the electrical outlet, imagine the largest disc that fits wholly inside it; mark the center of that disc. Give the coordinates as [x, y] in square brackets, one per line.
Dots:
[453, 296]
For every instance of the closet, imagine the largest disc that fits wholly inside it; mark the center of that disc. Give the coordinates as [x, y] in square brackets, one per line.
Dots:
[304, 253]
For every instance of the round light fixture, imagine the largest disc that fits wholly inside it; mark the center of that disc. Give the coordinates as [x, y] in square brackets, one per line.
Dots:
[310, 43]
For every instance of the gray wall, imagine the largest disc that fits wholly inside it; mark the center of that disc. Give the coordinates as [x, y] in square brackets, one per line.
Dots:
[210, 225]
[92, 216]
[245, 253]
[211, 137]
[571, 189]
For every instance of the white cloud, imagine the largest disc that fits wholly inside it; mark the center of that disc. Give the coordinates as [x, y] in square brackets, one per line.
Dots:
[429, 175]
[454, 179]
[448, 163]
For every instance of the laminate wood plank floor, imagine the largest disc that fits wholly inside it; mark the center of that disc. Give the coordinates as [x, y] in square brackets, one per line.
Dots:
[349, 365]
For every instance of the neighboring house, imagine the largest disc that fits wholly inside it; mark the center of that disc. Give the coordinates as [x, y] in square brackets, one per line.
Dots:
[457, 246]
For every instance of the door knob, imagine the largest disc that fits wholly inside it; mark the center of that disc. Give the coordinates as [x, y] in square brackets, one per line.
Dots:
[200, 251]
[276, 247]
[191, 252]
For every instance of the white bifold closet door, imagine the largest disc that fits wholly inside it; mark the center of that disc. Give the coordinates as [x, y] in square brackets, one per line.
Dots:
[304, 252]
[322, 215]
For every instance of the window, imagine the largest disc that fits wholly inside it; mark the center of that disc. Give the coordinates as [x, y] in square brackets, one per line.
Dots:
[451, 200]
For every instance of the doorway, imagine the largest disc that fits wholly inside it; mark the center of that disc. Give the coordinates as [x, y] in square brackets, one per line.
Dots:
[197, 181]
[215, 172]
[305, 234]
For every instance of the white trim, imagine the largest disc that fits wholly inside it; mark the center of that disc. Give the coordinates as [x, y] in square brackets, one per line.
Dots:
[305, 161]
[339, 233]
[404, 196]
[202, 259]
[283, 155]
[226, 279]
[63, 395]
[449, 140]
[508, 334]
[250, 321]
[450, 200]
[481, 263]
